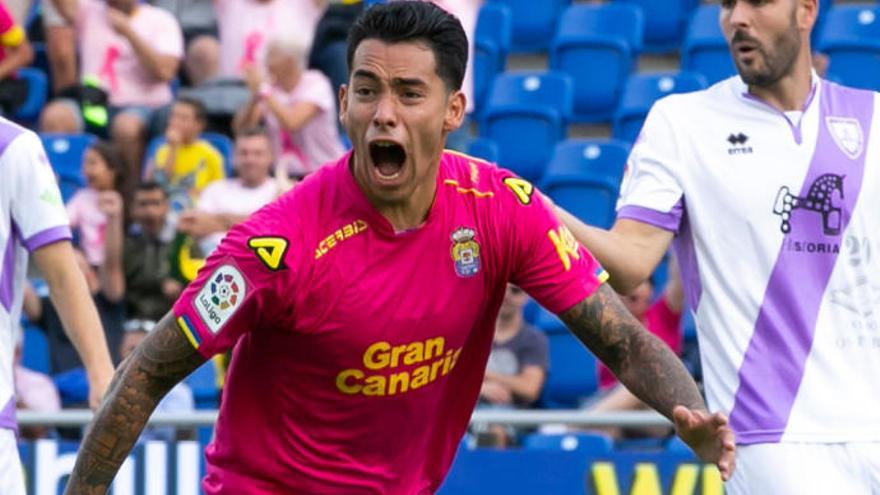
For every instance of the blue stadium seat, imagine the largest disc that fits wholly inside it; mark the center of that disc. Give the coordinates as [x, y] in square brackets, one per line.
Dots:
[65, 153]
[533, 23]
[573, 373]
[483, 148]
[35, 350]
[492, 471]
[203, 382]
[219, 141]
[594, 443]
[41, 59]
[705, 50]
[526, 116]
[641, 92]
[824, 7]
[38, 91]
[665, 23]
[597, 45]
[584, 178]
[491, 46]
[851, 39]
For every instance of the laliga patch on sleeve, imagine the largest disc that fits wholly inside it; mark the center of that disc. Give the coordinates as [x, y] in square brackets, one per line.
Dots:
[221, 296]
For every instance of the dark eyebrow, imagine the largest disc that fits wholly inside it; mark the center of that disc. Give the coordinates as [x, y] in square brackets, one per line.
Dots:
[366, 75]
[398, 81]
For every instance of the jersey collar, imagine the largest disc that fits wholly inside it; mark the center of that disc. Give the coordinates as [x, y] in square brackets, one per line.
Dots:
[742, 91]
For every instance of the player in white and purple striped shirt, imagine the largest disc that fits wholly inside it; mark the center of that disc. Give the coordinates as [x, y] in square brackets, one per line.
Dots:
[33, 221]
[768, 187]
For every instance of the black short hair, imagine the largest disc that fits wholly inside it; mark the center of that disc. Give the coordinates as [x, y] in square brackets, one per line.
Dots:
[398, 22]
[197, 106]
[150, 186]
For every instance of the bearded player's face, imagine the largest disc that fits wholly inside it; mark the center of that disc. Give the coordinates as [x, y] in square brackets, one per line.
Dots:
[764, 37]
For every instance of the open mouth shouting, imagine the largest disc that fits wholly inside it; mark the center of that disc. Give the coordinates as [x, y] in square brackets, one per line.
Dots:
[387, 159]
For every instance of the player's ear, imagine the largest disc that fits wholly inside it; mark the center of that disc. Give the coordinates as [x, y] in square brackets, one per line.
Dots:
[343, 103]
[455, 108]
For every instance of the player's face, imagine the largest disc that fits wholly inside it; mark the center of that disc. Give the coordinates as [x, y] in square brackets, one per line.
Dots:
[764, 37]
[397, 113]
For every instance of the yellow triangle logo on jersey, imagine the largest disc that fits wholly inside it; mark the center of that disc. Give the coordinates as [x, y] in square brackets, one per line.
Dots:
[270, 250]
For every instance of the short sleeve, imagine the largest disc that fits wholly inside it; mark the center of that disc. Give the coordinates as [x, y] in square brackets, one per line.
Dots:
[160, 157]
[651, 191]
[239, 289]
[36, 205]
[214, 163]
[535, 352]
[548, 263]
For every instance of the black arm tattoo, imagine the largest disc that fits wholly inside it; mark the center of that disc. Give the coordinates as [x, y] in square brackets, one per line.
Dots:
[162, 360]
[642, 362]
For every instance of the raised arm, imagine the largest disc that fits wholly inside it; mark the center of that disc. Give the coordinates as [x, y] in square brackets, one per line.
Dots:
[629, 251]
[71, 298]
[648, 368]
[162, 360]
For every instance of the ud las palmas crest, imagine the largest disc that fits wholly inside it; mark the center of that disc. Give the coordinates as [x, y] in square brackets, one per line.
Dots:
[465, 252]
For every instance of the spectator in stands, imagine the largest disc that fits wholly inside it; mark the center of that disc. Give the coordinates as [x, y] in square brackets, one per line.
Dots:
[106, 180]
[179, 398]
[15, 53]
[134, 51]
[34, 391]
[221, 96]
[243, 38]
[518, 363]
[297, 105]
[185, 164]
[663, 319]
[227, 202]
[150, 290]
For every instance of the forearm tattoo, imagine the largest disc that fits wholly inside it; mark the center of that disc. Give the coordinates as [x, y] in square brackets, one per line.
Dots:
[641, 361]
[162, 360]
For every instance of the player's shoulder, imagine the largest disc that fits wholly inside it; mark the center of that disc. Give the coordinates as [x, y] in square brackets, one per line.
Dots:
[472, 177]
[684, 105]
[16, 140]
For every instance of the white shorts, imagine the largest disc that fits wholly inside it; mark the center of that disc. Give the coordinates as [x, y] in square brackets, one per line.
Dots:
[11, 474]
[807, 469]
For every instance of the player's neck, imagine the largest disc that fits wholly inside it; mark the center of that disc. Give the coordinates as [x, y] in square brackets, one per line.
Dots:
[791, 92]
[410, 213]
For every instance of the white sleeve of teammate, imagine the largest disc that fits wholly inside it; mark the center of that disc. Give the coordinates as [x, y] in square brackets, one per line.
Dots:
[36, 205]
[651, 191]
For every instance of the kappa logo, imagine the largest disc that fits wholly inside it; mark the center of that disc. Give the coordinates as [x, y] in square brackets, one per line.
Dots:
[847, 134]
[221, 296]
[738, 144]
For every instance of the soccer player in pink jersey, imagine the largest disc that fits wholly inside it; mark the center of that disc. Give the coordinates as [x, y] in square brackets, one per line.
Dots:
[361, 305]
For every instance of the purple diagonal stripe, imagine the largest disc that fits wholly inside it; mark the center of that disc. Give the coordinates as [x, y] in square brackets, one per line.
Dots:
[7, 271]
[48, 236]
[7, 416]
[774, 362]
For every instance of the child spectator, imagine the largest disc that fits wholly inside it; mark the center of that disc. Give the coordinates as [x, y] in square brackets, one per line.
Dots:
[185, 164]
[105, 173]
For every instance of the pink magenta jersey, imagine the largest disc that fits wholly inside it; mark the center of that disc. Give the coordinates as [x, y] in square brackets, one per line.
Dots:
[359, 351]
